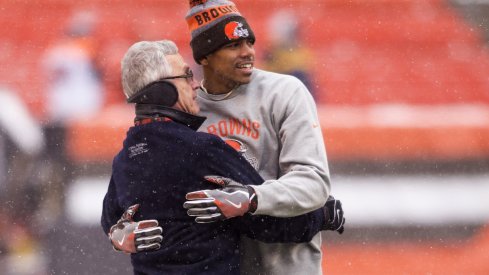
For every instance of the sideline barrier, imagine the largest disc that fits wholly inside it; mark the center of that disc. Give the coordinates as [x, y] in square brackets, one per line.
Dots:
[379, 132]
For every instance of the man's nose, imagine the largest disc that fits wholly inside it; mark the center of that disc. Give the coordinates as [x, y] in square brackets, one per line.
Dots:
[247, 49]
[194, 84]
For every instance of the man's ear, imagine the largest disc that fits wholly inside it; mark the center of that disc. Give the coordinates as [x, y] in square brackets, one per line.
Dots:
[204, 61]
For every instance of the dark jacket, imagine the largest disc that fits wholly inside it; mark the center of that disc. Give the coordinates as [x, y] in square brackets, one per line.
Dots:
[162, 161]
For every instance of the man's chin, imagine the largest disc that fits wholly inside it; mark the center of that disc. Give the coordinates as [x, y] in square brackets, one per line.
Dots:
[245, 79]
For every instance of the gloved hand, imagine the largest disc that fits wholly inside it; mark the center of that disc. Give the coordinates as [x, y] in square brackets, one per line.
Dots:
[333, 212]
[131, 237]
[234, 199]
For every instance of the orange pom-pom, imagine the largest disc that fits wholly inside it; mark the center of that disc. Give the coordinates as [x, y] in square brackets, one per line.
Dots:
[194, 3]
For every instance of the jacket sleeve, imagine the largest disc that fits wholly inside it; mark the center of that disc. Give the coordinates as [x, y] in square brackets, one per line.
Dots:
[304, 183]
[111, 212]
[281, 230]
[220, 159]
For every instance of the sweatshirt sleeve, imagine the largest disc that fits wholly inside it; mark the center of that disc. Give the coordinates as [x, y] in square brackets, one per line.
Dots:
[304, 182]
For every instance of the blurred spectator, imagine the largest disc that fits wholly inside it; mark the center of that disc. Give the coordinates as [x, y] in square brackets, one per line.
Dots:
[74, 83]
[21, 142]
[74, 91]
[287, 54]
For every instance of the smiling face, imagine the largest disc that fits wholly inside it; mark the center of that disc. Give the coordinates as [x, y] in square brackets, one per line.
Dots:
[229, 66]
[186, 87]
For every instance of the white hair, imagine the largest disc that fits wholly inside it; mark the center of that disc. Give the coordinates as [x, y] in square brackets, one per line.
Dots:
[145, 62]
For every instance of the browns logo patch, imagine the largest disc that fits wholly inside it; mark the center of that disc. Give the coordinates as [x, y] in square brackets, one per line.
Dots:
[236, 145]
[235, 30]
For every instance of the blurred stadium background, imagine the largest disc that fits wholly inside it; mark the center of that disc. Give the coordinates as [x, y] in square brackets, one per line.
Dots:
[402, 89]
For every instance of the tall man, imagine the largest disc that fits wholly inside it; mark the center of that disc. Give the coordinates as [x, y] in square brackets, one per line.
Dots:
[273, 118]
[163, 158]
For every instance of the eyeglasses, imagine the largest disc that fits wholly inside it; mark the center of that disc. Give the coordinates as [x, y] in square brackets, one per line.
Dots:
[188, 76]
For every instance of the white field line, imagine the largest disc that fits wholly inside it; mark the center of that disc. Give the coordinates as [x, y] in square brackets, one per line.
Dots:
[414, 200]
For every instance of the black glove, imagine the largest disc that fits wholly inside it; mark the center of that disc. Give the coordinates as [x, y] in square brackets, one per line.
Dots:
[234, 199]
[333, 213]
[131, 237]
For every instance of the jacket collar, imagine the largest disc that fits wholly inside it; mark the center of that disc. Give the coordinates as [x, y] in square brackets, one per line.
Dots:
[152, 110]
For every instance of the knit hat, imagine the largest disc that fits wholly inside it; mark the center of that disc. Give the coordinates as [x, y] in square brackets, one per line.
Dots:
[213, 24]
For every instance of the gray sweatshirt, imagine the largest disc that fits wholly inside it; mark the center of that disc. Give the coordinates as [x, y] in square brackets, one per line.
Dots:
[273, 121]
